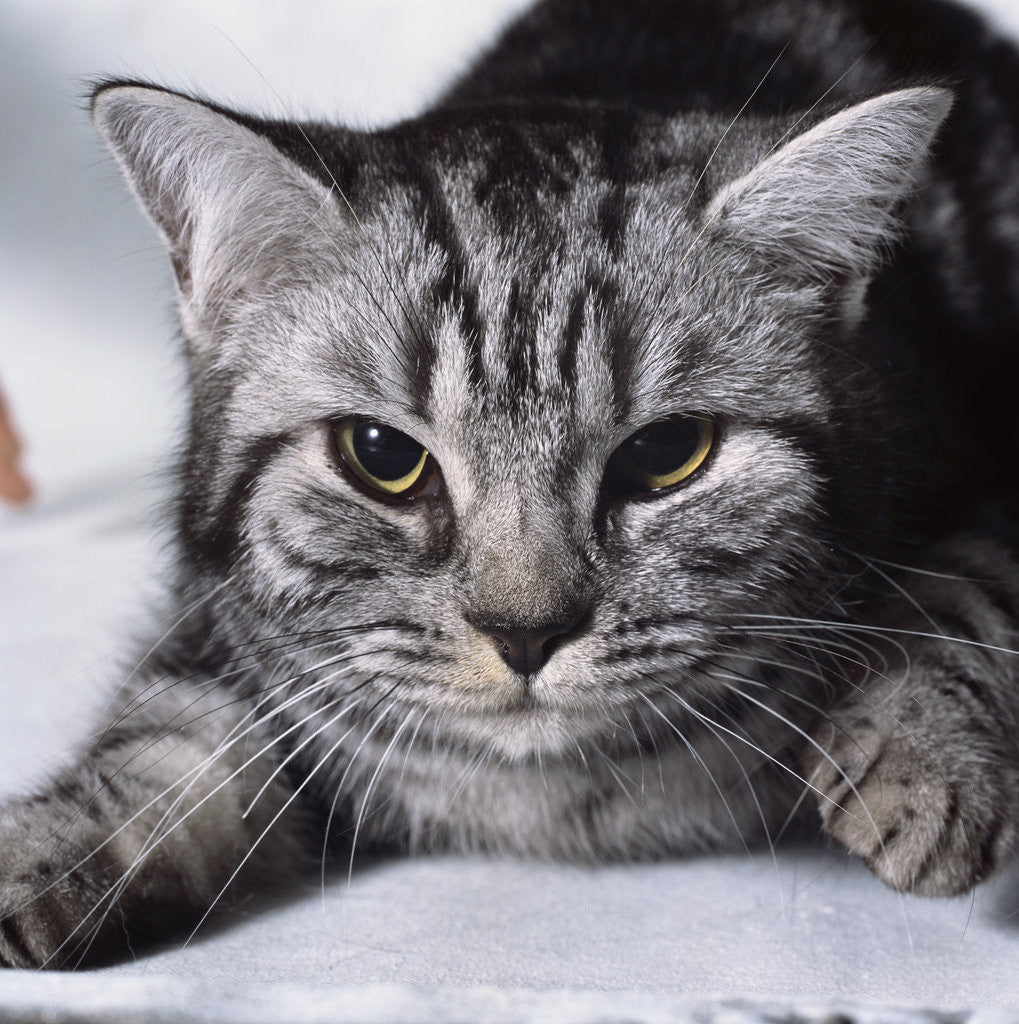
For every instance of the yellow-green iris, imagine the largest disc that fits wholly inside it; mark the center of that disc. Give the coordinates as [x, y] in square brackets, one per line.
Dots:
[662, 454]
[380, 456]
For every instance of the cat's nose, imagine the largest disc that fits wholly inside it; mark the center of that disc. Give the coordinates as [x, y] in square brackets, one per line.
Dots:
[526, 649]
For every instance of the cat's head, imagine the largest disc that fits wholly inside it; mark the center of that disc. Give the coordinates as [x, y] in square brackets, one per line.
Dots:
[513, 416]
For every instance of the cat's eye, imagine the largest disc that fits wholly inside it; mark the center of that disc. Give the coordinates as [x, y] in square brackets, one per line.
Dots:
[661, 455]
[384, 459]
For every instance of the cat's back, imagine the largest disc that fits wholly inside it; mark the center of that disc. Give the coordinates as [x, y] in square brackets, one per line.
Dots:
[716, 55]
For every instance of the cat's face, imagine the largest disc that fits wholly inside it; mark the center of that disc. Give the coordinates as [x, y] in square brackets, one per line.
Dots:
[521, 304]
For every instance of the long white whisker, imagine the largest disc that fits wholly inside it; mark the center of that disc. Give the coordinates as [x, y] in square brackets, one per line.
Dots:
[808, 624]
[370, 788]
[909, 597]
[306, 741]
[852, 786]
[159, 834]
[350, 764]
[701, 763]
[193, 774]
[148, 654]
[296, 793]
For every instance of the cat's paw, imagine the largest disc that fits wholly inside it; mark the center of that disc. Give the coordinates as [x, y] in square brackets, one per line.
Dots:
[928, 817]
[55, 903]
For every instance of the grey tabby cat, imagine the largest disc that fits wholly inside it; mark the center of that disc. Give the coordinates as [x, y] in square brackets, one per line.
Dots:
[615, 461]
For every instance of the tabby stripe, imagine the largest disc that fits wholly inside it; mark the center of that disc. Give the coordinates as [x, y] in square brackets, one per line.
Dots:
[112, 788]
[321, 574]
[616, 140]
[850, 785]
[959, 628]
[973, 687]
[889, 835]
[321, 571]
[522, 357]
[216, 543]
[861, 781]
[629, 654]
[988, 853]
[612, 211]
[605, 294]
[14, 939]
[724, 562]
[125, 735]
[454, 289]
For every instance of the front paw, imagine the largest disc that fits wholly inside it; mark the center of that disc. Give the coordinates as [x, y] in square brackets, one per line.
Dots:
[928, 810]
[55, 898]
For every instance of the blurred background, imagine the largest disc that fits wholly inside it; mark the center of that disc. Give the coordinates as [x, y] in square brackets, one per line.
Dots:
[88, 350]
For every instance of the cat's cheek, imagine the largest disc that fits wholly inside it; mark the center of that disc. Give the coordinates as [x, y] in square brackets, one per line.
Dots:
[306, 530]
[745, 506]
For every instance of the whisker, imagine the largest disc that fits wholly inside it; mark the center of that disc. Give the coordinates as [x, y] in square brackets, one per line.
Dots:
[621, 779]
[753, 746]
[370, 788]
[306, 741]
[338, 792]
[738, 115]
[184, 615]
[656, 275]
[254, 846]
[909, 597]
[808, 624]
[194, 774]
[701, 764]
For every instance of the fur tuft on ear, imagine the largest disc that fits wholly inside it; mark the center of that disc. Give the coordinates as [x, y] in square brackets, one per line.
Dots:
[230, 206]
[823, 205]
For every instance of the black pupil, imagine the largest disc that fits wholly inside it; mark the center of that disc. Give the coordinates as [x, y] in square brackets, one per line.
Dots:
[385, 453]
[662, 448]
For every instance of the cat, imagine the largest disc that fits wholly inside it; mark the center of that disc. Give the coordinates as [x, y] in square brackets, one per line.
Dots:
[614, 461]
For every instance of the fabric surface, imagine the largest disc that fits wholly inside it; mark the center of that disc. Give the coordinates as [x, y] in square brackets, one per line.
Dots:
[173, 1001]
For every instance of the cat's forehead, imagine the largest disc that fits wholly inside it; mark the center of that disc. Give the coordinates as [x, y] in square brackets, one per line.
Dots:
[509, 279]
[522, 249]
[527, 261]
[554, 179]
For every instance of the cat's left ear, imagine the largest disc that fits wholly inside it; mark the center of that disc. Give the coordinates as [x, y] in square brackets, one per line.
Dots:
[822, 207]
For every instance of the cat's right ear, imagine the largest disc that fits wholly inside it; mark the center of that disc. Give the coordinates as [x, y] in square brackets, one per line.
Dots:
[232, 209]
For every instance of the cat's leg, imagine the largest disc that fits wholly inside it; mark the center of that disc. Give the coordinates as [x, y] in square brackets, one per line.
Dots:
[919, 764]
[140, 836]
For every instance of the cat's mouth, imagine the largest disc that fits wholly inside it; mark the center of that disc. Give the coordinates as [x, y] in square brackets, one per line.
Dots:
[518, 717]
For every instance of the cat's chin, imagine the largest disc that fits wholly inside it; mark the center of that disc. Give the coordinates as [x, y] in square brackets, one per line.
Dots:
[491, 709]
[526, 735]
[526, 727]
